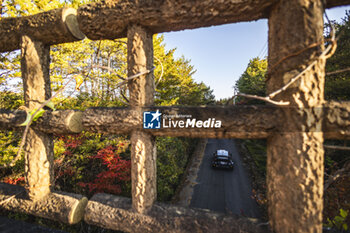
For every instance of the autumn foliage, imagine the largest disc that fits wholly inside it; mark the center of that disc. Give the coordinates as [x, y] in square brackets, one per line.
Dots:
[15, 181]
[118, 170]
[92, 162]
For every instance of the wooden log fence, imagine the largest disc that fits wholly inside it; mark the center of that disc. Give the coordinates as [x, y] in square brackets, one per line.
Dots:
[294, 134]
[108, 210]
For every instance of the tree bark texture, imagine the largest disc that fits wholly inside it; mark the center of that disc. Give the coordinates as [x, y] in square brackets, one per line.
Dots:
[60, 122]
[35, 63]
[335, 3]
[141, 91]
[140, 58]
[337, 120]
[59, 206]
[116, 213]
[110, 19]
[237, 121]
[295, 158]
[50, 27]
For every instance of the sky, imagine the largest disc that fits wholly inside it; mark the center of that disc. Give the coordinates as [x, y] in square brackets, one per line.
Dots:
[220, 54]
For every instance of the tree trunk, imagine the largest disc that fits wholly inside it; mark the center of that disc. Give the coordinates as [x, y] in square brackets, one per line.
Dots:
[143, 150]
[108, 81]
[35, 64]
[50, 27]
[295, 159]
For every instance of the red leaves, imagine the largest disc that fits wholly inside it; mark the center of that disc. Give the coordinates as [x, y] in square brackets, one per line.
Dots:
[14, 181]
[118, 170]
[68, 171]
[109, 171]
[72, 141]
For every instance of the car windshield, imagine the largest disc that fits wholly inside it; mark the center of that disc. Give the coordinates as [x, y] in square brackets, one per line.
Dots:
[222, 158]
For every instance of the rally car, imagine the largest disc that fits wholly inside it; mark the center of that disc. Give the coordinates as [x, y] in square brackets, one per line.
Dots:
[222, 159]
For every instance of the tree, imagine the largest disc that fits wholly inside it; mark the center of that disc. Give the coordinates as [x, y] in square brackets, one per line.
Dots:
[337, 85]
[176, 86]
[10, 61]
[252, 81]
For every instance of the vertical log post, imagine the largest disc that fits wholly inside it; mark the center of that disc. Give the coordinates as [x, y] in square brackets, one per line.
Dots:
[35, 63]
[141, 90]
[295, 157]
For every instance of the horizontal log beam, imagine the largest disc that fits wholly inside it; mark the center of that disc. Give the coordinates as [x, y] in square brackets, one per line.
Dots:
[110, 19]
[57, 122]
[115, 213]
[50, 27]
[237, 121]
[336, 123]
[335, 3]
[64, 207]
[60, 122]
[11, 119]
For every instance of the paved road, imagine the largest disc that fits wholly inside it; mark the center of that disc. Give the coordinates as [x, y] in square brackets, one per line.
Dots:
[224, 190]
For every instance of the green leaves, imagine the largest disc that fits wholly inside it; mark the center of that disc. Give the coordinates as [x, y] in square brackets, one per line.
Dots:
[252, 81]
[51, 105]
[337, 86]
[35, 117]
[339, 221]
[343, 213]
[172, 157]
[38, 114]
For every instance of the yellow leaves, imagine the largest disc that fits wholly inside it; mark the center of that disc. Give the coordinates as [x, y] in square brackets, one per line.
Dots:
[28, 7]
[78, 81]
[172, 101]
